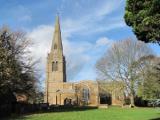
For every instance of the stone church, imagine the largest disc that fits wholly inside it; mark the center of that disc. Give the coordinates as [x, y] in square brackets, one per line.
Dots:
[57, 90]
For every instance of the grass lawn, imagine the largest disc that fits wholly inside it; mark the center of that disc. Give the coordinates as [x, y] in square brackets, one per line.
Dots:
[112, 113]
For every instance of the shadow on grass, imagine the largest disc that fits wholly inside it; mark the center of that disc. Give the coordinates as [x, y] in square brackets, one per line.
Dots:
[155, 118]
[51, 110]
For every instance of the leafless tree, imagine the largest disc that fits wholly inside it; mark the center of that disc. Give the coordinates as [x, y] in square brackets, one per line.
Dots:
[149, 73]
[118, 63]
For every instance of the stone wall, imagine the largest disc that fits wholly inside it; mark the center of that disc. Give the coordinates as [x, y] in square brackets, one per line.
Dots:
[59, 92]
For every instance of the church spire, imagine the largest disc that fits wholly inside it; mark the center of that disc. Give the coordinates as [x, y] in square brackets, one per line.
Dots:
[57, 41]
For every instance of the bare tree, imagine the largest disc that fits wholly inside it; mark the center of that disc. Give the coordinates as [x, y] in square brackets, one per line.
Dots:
[149, 69]
[118, 63]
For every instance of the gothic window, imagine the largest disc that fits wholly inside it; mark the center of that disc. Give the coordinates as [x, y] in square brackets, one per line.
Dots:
[55, 46]
[86, 94]
[55, 66]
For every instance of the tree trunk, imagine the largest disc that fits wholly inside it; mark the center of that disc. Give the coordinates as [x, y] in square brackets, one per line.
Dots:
[132, 100]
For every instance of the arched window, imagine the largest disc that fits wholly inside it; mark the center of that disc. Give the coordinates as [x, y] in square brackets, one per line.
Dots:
[86, 94]
[55, 66]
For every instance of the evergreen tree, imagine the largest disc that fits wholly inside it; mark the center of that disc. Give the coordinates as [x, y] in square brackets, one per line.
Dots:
[17, 69]
[144, 17]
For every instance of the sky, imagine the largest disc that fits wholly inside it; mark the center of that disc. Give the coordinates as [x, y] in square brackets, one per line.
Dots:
[88, 28]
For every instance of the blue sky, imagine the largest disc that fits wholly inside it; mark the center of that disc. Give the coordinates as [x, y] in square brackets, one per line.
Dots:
[89, 27]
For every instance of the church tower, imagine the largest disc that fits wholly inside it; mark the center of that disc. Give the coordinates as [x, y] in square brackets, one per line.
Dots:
[56, 61]
[56, 64]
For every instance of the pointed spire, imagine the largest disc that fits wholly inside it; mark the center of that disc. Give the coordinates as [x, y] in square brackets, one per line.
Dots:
[57, 41]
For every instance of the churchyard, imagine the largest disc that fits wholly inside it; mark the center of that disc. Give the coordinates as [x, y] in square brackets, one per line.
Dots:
[111, 113]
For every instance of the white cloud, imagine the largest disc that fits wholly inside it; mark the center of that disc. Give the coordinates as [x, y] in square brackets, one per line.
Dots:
[108, 7]
[89, 26]
[90, 21]
[41, 37]
[103, 41]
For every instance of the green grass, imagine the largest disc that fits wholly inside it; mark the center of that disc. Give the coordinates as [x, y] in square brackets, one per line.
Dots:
[112, 113]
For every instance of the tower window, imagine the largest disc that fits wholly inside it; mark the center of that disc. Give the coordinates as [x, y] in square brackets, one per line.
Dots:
[55, 66]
